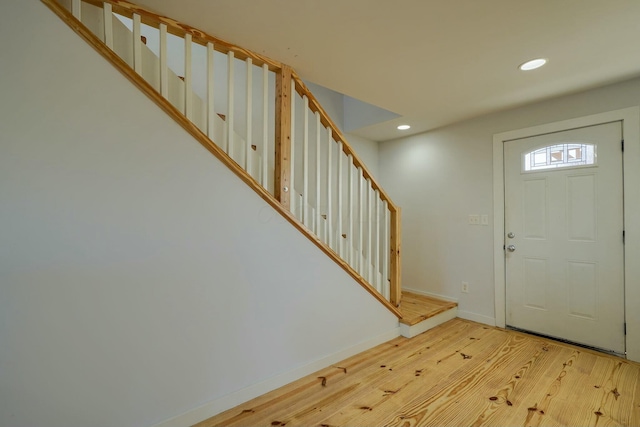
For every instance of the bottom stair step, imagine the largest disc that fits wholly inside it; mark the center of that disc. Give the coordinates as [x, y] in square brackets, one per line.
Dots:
[421, 313]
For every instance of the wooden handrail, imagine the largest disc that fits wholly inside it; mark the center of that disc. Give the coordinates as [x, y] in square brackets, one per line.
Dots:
[326, 121]
[148, 17]
[120, 6]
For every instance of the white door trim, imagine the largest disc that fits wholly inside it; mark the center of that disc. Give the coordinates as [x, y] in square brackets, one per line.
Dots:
[630, 118]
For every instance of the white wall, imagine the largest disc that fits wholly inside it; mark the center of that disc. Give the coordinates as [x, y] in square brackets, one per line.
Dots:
[139, 278]
[440, 177]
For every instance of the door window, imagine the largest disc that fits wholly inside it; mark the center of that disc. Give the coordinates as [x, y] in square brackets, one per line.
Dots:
[559, 156]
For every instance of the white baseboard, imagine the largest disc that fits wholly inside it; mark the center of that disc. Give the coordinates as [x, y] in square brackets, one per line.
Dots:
[491, 321]
[430, 323]
[430, 294]
[236, 398]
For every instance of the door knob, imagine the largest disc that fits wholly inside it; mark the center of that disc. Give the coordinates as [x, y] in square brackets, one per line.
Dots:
[511, 248]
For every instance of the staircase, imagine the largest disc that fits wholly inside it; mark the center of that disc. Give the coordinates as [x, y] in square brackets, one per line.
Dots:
[258, 117]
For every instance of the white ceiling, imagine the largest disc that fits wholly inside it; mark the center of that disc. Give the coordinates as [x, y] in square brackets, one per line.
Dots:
[434, 62]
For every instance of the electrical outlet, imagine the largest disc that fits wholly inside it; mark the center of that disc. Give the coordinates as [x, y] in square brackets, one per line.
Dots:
[484, 219]
[465, 287]
[474, 219]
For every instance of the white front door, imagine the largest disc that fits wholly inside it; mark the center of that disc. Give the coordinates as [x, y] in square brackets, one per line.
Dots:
[564, 235]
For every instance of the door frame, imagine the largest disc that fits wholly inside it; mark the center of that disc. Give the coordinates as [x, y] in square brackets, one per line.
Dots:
[630, 118]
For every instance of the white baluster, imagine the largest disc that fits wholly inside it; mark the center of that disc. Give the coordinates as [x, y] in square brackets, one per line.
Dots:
[211, 114]
[318, 218]
[188, 87]
[339, 205]
[376, 264]
[137, 45]
[164, 69]
[329, 237]
[370, 211]
[386, 249]
[76, 9]
[305, 163]
[108, 25]
[265, 125]
[247, 150]
[361, 198]
[300, 201]
[230, 103]
[350, 214]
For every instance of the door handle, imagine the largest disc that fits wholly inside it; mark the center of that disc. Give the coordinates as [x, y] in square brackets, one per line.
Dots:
[511, 248]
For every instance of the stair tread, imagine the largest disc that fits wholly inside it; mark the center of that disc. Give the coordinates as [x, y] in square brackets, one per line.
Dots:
[416, 308]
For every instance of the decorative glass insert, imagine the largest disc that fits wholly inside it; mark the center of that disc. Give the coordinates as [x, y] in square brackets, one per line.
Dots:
[560, 156]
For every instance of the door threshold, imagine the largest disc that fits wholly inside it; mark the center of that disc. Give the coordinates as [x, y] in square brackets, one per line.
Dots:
[562, 340]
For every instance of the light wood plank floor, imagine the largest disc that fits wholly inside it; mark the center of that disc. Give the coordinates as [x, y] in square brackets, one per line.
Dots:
[416, 308]
[460, 373]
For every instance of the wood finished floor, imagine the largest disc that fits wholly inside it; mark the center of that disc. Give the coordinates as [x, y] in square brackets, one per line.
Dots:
[416, 308]
[460, 373]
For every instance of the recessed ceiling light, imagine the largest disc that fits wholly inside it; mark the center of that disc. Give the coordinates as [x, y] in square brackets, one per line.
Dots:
[404, 127]
[533, 64]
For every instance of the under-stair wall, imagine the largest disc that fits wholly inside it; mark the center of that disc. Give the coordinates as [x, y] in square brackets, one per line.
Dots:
[141, 280]
[320, 185]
